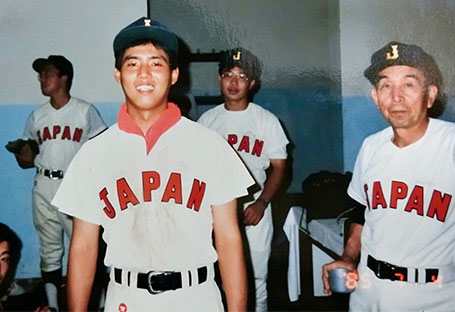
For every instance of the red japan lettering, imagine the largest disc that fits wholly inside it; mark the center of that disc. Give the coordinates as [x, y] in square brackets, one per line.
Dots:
[46, 134]
[196, 196]
[125, 194]
[257, 148]
[38, 134]
[66, 135]
[378, 196]
[415, 201]
[232, 139]
[244, 144]
[439, 206]
[173, 189]
[398, 191]
[55, 131]
[365, 189]
[108, 209]
[150, 182]
[77, 135]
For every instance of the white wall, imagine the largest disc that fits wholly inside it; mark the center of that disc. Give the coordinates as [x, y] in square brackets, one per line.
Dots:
[82, 30]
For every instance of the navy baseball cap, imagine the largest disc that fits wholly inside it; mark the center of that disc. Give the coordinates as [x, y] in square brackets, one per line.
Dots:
[397, 53]
[241, 58]
[60, 62]
[145, 28]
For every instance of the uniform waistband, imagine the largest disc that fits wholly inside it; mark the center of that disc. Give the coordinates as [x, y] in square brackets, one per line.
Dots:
[52, 174]
[414, 275]
[160, 281]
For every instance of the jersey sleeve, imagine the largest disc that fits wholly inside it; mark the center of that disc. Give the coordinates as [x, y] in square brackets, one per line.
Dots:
[96, 123]
[355, 188]
[29, 132]
[230, 177]
[278, 139]
[75, 190]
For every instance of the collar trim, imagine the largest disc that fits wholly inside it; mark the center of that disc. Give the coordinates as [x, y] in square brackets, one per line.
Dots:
[167, 119]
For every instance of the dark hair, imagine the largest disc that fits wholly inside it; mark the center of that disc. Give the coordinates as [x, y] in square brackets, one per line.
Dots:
[172, 56]
[15, 246]
[69, 81]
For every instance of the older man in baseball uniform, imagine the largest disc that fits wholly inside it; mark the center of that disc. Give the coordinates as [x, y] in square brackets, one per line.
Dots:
[160, 185]
[60, 127]
[405, 177]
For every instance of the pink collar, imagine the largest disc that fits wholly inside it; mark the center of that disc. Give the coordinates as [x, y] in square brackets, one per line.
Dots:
[167, 119]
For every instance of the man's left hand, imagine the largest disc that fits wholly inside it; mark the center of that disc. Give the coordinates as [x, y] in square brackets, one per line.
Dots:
[253, 213]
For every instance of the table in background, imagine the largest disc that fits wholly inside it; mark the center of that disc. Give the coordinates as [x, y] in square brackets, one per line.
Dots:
[327, 241]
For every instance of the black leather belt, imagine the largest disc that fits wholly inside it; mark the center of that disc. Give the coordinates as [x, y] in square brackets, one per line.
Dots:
[159, 281]
[385, 270]
[51, 174]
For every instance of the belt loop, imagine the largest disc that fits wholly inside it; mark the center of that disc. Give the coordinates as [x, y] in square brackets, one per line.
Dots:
[421, 275]
[413, 274]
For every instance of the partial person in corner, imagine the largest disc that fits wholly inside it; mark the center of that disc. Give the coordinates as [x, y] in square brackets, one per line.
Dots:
[404, 178]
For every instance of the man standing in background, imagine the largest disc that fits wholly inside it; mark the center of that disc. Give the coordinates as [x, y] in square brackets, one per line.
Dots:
[59, 127]
[258, 138]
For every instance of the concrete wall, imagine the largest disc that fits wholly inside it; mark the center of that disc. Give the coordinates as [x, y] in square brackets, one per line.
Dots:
[367, 26]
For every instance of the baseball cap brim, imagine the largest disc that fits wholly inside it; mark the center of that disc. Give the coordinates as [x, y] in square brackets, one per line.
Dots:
[39, 64]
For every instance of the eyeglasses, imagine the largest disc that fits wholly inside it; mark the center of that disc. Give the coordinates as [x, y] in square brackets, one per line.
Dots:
[231, 75]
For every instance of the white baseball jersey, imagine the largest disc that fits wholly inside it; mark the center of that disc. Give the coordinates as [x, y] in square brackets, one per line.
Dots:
[410, 217]
[61, 132]
[153, 194]
[257, 136]
[255, 133]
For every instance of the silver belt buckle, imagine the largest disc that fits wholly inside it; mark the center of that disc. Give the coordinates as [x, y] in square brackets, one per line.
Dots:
[149, 280]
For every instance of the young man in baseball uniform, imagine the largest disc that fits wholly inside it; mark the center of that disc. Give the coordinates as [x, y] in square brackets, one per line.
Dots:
[405, 177]
[160, 185]
[258, 138]
[60, 127]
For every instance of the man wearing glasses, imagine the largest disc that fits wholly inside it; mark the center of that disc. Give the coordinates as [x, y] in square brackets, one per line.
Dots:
[258, 138]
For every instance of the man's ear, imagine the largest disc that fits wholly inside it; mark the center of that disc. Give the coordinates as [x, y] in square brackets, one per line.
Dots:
[432, 94]
[117, 75]
[374, 95]
[252, 84]
[175, 75]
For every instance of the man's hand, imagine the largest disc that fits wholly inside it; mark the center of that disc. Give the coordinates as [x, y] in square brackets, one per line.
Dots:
[25, 155]
[344, 263]
[254, 213]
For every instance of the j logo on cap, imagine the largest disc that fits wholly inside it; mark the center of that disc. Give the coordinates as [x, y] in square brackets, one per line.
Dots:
[394, 55]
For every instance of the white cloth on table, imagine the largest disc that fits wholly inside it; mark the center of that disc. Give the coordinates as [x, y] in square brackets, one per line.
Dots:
[328, 232]
[291, 228]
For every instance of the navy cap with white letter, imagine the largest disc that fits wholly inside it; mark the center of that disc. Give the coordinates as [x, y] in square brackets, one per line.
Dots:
[145, 28]
[397, 53]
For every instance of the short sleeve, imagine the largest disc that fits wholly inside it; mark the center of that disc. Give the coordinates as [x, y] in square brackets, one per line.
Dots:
[355, 188]
[72, 197]
[97, 124]
[29, 133]
[278, 139]
[230, 177]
